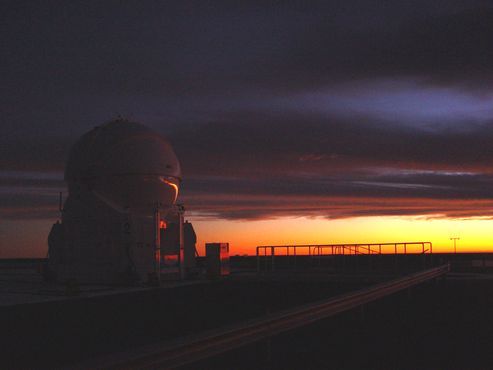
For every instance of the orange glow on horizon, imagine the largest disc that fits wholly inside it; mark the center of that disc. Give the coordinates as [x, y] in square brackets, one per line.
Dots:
[244, 236]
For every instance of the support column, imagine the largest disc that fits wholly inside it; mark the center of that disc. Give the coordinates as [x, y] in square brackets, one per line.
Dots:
[157, 243]
[183, 262]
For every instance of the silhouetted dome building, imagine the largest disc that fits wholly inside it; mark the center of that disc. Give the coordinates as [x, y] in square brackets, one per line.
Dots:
[125, 162]
[123, 180]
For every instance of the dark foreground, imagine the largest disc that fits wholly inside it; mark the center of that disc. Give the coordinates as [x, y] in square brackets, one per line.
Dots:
[442, 325]
[56, 334]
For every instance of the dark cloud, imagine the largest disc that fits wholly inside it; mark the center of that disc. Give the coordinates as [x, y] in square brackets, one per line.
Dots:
[253, 142]
[290, 144]
[232, 86]
[449, 47]
[197, 47]
[30, 195]
[41, 153]
[258, 166]
[237, 207]
[353, 185]
[19, 206]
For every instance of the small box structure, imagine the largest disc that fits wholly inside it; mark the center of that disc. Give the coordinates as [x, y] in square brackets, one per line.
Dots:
[217, 259]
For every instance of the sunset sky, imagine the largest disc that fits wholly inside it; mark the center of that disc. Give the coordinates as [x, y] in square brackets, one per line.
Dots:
[333, 122]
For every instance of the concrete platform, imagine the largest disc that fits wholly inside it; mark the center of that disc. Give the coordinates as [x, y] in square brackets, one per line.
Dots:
[25, 286]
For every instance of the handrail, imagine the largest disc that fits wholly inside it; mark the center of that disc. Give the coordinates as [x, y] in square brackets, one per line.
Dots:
[165, 356]
[319, 250]
[347, 245]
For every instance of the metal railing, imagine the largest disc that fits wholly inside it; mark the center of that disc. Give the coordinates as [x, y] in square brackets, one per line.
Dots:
[166, 356]
[266, 252]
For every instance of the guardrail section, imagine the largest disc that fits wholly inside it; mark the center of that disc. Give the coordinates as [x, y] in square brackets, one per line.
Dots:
[266, 254]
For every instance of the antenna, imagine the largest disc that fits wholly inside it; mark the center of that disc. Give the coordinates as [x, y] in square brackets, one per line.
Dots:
[455, 243]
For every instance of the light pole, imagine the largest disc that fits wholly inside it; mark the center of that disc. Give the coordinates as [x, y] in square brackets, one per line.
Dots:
[455, 243]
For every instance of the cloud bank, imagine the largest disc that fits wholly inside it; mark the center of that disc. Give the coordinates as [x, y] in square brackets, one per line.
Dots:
[324, 110]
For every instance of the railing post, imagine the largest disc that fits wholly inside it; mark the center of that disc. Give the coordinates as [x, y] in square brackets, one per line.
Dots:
[287, 257]
[370, 258]
[344, 258]
[294, 252]
[272, 258]
[258, 261]
[266, 262]
[395, 258]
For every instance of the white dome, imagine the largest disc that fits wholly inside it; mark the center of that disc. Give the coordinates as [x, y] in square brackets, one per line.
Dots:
[121, 147]
[125, 163]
